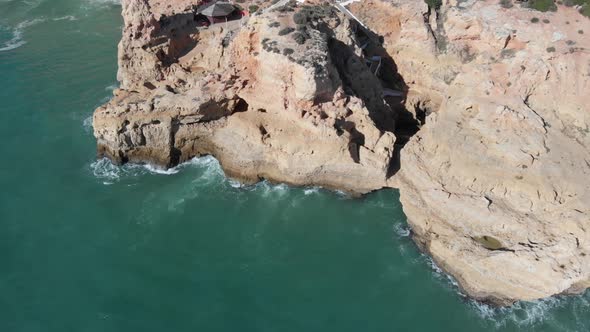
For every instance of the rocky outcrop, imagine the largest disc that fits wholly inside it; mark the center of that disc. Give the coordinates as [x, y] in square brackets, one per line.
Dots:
[269, 102]
[492, 135]
[496, 182]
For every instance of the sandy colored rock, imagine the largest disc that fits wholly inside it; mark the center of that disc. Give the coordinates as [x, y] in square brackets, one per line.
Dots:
[494, 173]
[496, 183]
[265, 105]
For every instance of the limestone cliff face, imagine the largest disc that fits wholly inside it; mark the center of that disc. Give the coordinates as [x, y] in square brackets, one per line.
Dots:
[267, 105]
[496, 183]
[494, 173]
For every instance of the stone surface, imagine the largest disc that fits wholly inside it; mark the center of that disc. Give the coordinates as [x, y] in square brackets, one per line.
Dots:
[494, 173]
[266, 106]
[496, 183]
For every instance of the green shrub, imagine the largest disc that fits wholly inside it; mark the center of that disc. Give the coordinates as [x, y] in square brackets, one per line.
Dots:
[274, 25]
[288, 7]
[286, 31]
[535, 20]
[288, 51]
[434, 3]
[546, 21]
[550, 5]
[299, 37]
[506, 3]
[299, 18]
[551, 49]
[253, 8]
[585, 4]
[309, 14]
[542, 5]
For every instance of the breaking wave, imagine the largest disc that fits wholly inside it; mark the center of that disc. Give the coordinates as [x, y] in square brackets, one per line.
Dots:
[210, 172]
[522, 315]
[533, 314]
[17, 40]
[110, 173]
[17, 35]
[401, 229]
[311, 191]
[65, 18]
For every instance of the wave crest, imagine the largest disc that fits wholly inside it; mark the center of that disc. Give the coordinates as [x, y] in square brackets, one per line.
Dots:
[17, 35]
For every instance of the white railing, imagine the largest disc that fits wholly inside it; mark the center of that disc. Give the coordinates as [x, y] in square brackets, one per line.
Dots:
[347, 12]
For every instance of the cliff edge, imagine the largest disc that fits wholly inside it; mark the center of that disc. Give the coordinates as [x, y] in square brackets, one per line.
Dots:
[268, 97]
[478, 113]
[496, 182]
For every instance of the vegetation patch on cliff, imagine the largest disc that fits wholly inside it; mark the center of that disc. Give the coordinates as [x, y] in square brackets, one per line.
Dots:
[551, 5]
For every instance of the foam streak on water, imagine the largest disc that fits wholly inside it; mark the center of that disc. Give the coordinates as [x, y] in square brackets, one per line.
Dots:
[110, 173]
[17, 35]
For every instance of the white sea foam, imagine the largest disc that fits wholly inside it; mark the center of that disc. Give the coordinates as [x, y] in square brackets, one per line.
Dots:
[267, 189]
[87, 124]
[18, 40]
[112, 87]
[311, 191]
[521, 314]
[104, 169]
[161, 171]
[235, 184]
[103, 2]
[65, 18]
[32, 3]
[401, 230]
[209, 172]
[17, 35]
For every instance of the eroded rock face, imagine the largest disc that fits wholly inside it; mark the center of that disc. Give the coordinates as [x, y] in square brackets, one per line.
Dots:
[496, 184]
[265, 104]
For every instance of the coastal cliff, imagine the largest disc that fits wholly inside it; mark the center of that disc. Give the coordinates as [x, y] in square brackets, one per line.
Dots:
[267, 101]
[496, 183]
[488, 143]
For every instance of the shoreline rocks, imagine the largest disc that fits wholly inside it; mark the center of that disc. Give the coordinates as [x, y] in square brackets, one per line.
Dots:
[495, 184]
[489, 145]
[266, 105]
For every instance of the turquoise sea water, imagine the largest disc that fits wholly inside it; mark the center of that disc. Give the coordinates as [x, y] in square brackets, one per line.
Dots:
[87, 246]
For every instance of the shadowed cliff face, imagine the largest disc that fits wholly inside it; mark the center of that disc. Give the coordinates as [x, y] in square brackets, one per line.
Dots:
[495, 183]
[272, 97]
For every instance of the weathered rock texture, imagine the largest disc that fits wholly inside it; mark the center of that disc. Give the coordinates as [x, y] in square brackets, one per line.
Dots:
[496, 184]
[265, 105]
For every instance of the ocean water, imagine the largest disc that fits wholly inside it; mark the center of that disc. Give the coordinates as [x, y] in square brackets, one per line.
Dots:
[87, 246]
